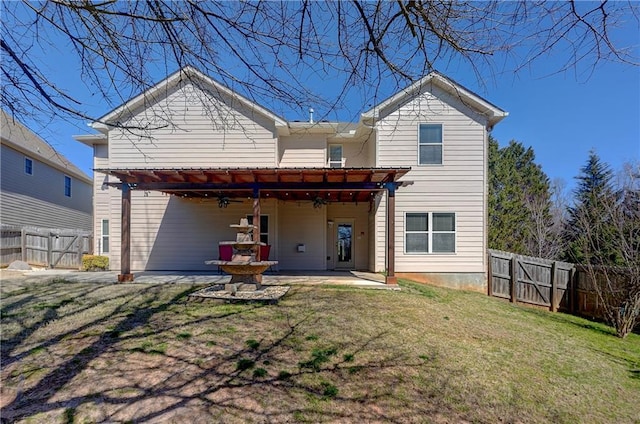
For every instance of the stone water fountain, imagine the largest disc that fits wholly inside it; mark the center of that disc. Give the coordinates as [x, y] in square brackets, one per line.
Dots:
[244, 269]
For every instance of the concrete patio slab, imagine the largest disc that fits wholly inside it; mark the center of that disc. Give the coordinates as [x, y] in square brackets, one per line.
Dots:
[344, 278]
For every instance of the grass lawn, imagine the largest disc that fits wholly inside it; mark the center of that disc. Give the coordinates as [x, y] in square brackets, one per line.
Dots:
[85, 353]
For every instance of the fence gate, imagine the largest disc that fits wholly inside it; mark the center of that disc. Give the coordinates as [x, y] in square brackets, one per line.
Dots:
[51, 248]
[531, 280]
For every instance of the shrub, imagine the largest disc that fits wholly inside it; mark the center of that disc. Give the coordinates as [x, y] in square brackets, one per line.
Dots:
[95, 263]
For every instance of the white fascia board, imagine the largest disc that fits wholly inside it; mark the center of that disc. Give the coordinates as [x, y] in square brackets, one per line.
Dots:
[91, 139]
[493, 113]
[187, 72]
[482, 106]
[374, 113]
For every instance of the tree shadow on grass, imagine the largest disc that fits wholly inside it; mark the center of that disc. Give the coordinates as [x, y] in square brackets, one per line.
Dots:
[149, 366]
[35, 398]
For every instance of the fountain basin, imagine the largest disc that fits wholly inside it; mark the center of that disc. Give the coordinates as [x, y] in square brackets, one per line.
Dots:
[243, 267]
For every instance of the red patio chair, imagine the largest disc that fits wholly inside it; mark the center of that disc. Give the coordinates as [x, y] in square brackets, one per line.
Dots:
[264, 254]
[225, 253]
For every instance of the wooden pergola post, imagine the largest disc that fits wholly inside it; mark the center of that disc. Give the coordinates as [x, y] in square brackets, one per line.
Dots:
[125, 232]
[256, 230]
[256, 220]
[391, 234]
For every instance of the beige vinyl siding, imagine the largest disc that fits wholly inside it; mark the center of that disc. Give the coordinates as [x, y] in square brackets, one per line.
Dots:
[301, 223]
[101, 198]
[38, 199]
[305, 150]
[188, 133]
[357, 154]
[455, 186]
[173, 233]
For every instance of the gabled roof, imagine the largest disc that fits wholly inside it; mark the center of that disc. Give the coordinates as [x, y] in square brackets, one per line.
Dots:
[186, 73]
[22, 139]
[493, 113]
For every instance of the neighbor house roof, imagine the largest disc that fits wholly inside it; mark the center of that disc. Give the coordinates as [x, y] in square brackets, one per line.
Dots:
[19, 137]
[493, 113]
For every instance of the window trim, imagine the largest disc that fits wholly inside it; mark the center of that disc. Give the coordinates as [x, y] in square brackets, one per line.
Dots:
[329, 161]
[30, 161]
[430, 232]
[441, 144]
[68, 178]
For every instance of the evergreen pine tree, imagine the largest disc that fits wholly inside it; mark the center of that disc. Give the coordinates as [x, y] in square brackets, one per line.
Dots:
[589, 216]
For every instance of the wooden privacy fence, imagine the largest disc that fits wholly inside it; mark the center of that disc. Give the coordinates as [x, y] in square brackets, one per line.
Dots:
[551, 284]
[52, 248]
[535, 281]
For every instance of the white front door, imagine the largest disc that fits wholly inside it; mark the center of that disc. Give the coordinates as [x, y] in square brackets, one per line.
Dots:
[344, 248]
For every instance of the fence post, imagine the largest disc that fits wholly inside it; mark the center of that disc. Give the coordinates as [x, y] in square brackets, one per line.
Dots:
[554, 284]
[573, 295]
[514, 278]
[50, 250]
[489, 275]
[23, 244]
[80, 250]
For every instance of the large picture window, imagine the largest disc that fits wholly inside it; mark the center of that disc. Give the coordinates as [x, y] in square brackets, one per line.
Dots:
[430, 232]
[430, 144]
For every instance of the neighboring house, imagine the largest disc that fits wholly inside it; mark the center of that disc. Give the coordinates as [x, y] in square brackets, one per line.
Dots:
[325, 191]
[38, 186]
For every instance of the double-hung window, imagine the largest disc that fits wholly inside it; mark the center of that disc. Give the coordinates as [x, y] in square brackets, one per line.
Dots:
[335, 156]
[28, 166]
[430, 144]
[264, 227]
[430, 232]
[67, 186]
[105, 236]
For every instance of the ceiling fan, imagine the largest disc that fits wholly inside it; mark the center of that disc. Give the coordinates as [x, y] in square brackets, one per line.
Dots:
[223, 201]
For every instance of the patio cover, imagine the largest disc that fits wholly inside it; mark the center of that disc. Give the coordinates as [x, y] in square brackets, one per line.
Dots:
[326, 184]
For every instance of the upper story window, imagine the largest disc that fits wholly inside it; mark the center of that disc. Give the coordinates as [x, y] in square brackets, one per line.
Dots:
[430, 144]
[28, 166]
[335, 156]
[67, 186]
[430, 232]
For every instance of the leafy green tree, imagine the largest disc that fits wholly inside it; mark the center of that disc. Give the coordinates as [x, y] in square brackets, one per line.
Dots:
[519, 201]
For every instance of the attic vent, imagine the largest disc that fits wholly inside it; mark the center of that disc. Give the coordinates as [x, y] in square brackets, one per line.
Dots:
[311, 115]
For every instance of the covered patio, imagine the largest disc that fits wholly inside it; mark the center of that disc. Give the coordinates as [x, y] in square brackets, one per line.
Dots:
[318, 185]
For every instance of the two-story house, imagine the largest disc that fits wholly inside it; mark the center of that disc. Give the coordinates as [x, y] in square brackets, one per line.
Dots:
[403, 190]
[38, 186]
